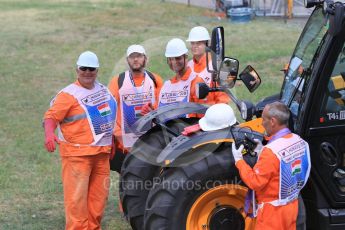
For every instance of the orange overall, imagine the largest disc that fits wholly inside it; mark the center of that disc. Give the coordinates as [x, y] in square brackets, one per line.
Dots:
[199, 67]
[85, 167]
[263, 178]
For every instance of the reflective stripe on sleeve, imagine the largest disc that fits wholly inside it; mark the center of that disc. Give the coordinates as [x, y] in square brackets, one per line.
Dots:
[74, 118]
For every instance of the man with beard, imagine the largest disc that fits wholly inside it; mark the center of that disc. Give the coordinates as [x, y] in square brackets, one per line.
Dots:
[132, 89]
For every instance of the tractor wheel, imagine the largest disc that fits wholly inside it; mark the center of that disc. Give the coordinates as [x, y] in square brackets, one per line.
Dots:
[207, 194]
[138, 169]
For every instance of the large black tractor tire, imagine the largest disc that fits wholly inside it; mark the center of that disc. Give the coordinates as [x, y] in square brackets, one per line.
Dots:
[137, 174]
[208, 194]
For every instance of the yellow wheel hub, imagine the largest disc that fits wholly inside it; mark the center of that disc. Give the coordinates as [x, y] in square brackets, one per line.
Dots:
[217, 203]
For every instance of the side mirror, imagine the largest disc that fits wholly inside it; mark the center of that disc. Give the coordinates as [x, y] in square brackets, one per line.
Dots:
[336, 18]
[250, 78]
[228, 72]
[312, 3]
[216, 48]
[202, 90]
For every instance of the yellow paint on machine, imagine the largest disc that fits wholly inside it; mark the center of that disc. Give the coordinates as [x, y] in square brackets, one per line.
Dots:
[228, 195]
[255, 125]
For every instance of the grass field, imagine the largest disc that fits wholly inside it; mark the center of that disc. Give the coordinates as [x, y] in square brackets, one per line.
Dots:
[39, 44]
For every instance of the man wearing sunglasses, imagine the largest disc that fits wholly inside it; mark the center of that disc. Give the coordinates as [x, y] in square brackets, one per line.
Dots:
[132, 89]
[84, 113]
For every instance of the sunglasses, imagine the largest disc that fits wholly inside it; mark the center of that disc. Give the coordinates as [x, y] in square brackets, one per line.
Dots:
[84, 68]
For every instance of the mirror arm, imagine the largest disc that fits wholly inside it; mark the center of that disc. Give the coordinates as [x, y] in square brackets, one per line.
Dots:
[207, 65]
[214, 80]
[232, 97]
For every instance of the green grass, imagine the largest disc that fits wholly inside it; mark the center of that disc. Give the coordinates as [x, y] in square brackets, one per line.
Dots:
[39, 44]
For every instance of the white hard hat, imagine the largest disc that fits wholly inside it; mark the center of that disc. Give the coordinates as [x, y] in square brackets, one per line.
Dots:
[135, 49]
[88, 59]
[218, 116]
[175, 48]
[198, 33]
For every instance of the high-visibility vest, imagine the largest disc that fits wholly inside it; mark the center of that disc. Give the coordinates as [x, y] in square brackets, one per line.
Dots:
[100, 111]
[294, 156]
[172, 93]
[204, 74]
[132, 99]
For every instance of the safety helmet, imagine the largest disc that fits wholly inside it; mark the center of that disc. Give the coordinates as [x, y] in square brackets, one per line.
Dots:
[135, 49]
[88, 59]
[218, 116]
[198, 33]
[175, 48]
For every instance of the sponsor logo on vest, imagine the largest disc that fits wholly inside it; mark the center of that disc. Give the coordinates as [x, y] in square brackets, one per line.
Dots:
[107, 126]
[104, 109]
[137, 97]
[296, 167]
[283, 153]
[293, 151]
[175, 94]
[96, 98]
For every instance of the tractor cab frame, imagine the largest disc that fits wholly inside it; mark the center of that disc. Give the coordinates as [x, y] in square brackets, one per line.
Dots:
[314, 90]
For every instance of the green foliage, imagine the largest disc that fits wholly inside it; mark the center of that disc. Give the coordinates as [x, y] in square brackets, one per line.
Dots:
[39, 44]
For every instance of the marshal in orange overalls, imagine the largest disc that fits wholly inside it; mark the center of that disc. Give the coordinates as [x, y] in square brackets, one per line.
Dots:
[85, 161]
[264, 181]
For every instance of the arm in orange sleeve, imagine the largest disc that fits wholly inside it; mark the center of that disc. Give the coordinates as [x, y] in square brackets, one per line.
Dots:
[218, 97]
[221, 97]
[159, 82]
[61, 105]
[193, 97]
[257, 177]
[49, 133]
[114, 88]
[54, 115]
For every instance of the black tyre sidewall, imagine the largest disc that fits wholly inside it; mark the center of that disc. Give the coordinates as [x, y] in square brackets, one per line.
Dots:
[137, 176]
[168, 208]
